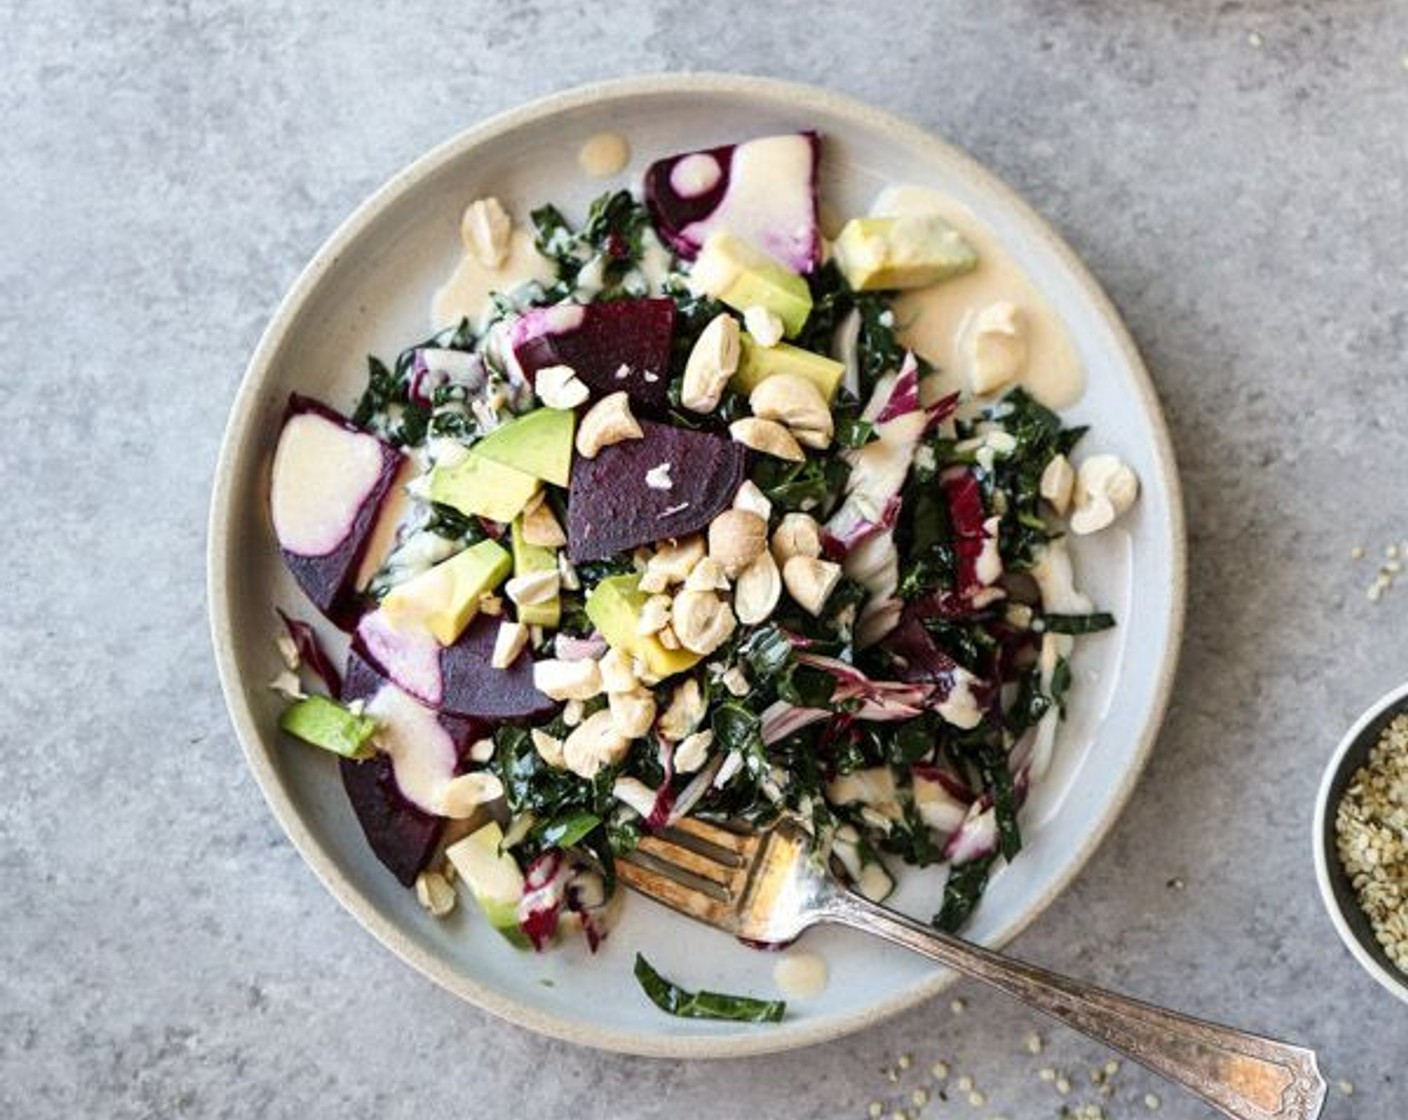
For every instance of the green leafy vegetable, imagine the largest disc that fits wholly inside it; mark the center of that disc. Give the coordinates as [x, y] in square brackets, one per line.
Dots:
[1078, 623]
[965, 886]
[674, 1000]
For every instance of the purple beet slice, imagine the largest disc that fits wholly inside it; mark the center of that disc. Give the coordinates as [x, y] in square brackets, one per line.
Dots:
[402, 834]
[327, 485]
[458, 680]
[670, 483]
[763, 191]
[622, 344]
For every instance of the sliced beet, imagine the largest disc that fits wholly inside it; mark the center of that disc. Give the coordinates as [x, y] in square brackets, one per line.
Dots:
[401, 836]
[328, 482]
[458, 680]
[670, 483]
[763, 191]
[621, 344]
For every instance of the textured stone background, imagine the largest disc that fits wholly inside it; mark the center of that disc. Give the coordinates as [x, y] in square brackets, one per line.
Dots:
[1235, 173]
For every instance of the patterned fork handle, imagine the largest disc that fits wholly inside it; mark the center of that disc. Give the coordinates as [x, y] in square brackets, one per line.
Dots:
[1244, 1076]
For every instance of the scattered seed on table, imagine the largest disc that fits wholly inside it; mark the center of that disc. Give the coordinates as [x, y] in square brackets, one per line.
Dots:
[1152, 1102]
[939, 1070]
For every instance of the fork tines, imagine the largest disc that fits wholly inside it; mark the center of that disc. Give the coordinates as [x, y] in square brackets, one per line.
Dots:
[692, 866]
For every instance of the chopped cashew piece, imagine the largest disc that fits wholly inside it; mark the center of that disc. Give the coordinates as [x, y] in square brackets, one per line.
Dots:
[797, 534]
[683, 713]
[764, 326]
[593, 744]
[693, 751]
[608, 421]
[757, 590]
[617, 675]
[559, 387]
[1105, 488]
[672, 563]
[485, 230]
[810, 581]
[995, 346]
[540, 525]
[532, 587]
[736, 538]
[567, 680]
[711, 363]
[464, 794]
[701, 621]
[632, 713]
[509, 642]
[434, 892]
[1057, 482]
[708, 575]
[549, 747]
[794, 401]
[752, 499]
[767, 436]
[736, 680]
[654, 615]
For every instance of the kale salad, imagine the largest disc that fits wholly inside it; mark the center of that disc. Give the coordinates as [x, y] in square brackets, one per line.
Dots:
[676, 525]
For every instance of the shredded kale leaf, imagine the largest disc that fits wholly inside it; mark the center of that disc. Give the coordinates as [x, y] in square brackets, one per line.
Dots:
[613, 236]
[1078, 623]
[674, 1000]
[964, 888]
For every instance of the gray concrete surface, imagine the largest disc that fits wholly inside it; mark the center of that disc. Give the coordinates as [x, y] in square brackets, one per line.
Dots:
[1235, 173]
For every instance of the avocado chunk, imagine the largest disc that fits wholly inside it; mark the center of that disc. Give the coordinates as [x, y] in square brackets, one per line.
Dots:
[445, 598]
[493, 878]
[480, 487]
[535, 558]
[913, 251]
[615, 606]
[734, 272]
[758, 363]
[326, 723]
[539, 443]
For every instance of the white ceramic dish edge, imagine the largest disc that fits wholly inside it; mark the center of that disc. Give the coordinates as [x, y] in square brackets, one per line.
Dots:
[243, 416]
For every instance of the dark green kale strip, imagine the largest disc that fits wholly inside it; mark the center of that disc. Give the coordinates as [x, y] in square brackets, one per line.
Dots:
[878, 351]
[385, 406]
[997, 779]
[674, 1000]
[808, 487]
[614, 230]
[1077, 623]
[964, 888]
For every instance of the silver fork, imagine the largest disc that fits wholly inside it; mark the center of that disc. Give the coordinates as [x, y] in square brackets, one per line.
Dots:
[767, 886]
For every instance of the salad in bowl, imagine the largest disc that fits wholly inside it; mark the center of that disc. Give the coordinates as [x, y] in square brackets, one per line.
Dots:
[683, 512]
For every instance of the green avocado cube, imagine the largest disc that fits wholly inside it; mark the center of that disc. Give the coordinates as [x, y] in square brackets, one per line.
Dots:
[614, 606]
[493, 878]
[913, 251]
[538, 443]
[757, 363]
[535, 558]
[481, 487]
[734, 272]
[326, 723]
[445, 598]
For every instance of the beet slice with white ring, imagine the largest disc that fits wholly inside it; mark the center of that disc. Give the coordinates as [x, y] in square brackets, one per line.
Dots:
[327, 485]
[401, 833]
[763, 191]
[667, 484]
[623, 344]
[458, 680]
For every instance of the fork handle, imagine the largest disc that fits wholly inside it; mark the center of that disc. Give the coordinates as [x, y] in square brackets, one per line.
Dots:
[1244, 1076]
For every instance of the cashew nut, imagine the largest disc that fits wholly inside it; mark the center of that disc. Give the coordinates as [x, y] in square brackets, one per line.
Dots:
[736, 538]
[672, 563]
[461, 796]
[810, 581]
[567, 680]
[1104, 489]
[594, 744]
[485, 230]
[540, 524]
[708, 575]
[764, 326]
[683, 713]
[749, 497]
[757, 590]
[509, 642]
[632, 713]
[693, 751]
[616, 672]
[792, 400]
[798, 534]
[654, 615]
[533, 587]
[701, 621]
[1057, 482]
[559, 387]
[767, 436]
[608, 421]
[549, 747]
[995, 346]
[712, 361]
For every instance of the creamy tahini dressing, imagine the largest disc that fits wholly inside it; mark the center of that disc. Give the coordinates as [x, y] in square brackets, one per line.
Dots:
[466, 294]
[311, 519]
[936, 321]
[800, 975]
[604, 155]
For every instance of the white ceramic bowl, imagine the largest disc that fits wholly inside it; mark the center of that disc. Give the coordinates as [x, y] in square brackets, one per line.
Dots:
[1350, 921]
[367, 291]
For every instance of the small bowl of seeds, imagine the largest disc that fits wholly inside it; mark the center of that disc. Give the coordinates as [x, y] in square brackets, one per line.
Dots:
[1361, 841]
